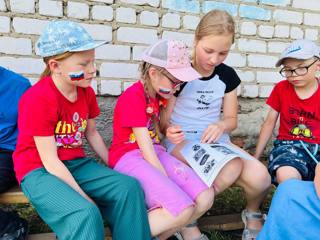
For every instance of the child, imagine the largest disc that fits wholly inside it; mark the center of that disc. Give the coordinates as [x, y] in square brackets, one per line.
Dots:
[174, 194]
[72, 193]
[194, 114]
[295, 100]
[295, 211]
[12, 86]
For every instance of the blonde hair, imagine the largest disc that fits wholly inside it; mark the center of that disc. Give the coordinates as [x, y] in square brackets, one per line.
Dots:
[145, 78]
[47, 71]
[215, 22]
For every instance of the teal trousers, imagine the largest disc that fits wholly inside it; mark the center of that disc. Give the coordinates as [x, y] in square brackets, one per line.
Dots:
[119, 200]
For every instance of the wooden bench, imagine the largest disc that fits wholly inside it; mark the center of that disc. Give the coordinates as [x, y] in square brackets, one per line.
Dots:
[222, 222]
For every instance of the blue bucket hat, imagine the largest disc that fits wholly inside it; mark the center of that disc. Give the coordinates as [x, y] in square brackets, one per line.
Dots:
[61, 36]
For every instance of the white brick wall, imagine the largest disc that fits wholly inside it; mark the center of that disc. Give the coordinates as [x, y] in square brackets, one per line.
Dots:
[131, 25]
[22, 6]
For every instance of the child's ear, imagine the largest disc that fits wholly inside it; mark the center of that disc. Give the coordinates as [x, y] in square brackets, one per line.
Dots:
[152, 72]
[54, 66]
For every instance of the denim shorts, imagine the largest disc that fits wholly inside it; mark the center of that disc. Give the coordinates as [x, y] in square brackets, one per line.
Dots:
[292, 153]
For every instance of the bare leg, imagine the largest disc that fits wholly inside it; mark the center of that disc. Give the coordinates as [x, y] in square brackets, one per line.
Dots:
[287, 172]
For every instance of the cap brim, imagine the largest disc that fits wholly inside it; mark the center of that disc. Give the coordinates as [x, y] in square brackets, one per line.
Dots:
[89, 46]
[295, 56]
[184, 74]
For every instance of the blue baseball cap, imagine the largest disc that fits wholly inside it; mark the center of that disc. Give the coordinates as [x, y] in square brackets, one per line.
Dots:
[61, 36]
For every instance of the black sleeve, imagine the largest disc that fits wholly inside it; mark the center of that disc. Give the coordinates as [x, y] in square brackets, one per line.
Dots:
[229, 76]
[176, 94]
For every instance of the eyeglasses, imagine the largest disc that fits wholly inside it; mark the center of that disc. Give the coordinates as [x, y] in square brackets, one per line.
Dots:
[299, 71]
[175, 82]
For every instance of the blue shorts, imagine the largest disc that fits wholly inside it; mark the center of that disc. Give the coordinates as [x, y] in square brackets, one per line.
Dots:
[292, 153]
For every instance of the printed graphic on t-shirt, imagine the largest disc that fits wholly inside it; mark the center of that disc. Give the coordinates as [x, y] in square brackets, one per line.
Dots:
[152, 132]
[204, 99]
[70, 134]
[301, 121]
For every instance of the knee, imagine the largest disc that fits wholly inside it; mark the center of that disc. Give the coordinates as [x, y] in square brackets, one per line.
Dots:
[205, 201]
[285, 173]
[183, 218]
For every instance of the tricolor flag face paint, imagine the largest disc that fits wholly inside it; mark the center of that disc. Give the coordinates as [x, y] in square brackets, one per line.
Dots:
[164, 90]
[76, 76]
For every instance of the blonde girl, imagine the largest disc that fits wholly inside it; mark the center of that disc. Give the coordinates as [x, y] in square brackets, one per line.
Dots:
[174, 194]
[194, 114]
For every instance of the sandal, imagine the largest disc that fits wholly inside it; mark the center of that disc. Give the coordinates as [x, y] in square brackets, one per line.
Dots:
[251, 234]
[179, 236]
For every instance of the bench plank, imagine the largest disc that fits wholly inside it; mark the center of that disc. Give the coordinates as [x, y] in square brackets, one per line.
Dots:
[14, 195]
[50, 236]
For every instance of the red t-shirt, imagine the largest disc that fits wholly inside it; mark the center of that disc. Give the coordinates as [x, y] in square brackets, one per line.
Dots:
[299, 119]
[131, 111]
[44, 111]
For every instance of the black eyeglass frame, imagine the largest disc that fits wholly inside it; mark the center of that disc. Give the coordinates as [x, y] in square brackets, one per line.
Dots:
[306, 68]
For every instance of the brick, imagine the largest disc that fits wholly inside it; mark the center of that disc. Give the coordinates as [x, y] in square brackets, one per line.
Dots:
[190, 22]
[99, 31]
[250, 91]
[265, 91]
[119, 70]
[249, 45]
[50, 8]
[252, 12]
[248, 28]
[94, 85]
[78, 10]
[288, 16]
[312, 34]
[281, 31]
[153, 3]
[246, 76]
[22, 6]
[296, 33]
[3, 5]
[149, 18]
[266, 31]
[126, 15]
[263, 61]
[137, 52]
[4, 24]
[310, 4]
[23, 65]
[232, 9]
[20, 46]
[185, 37]
[171, 20]
[113, 52]
[275, 2]
[136, 35]
[268, 77]
[311, 19]
[104, 13]
[22, 25]
[236, 60]
[190, 6]
[110, 87]
[277, 47]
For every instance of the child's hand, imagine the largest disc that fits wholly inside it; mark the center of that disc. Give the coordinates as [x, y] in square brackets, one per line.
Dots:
[317, 179]
[174, 134]
[213, 132]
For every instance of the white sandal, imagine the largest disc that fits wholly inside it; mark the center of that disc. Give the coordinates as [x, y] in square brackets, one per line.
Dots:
[251, 234]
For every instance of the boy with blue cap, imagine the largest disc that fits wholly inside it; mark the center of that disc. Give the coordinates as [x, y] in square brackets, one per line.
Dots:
[73, 194]
[296, 101]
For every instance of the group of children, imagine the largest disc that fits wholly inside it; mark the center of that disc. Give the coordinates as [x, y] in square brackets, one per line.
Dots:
[151, 191]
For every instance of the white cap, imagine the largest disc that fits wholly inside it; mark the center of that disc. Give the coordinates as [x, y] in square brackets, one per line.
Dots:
[300, 49]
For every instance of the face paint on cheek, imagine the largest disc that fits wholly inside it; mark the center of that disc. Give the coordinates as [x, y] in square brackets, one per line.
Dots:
[164, 90]
[76, 76]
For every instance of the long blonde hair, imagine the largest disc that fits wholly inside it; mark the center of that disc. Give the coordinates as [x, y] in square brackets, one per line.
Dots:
[145, 78]
[47, 71]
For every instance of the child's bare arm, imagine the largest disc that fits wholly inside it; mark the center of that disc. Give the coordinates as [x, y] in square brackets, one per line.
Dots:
[266, 131]
[146, 146]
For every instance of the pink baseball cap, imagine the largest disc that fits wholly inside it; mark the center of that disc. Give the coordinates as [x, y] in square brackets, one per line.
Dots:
[174, 57]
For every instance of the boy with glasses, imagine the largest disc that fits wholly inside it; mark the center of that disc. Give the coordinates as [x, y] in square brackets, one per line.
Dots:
[296, 101]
